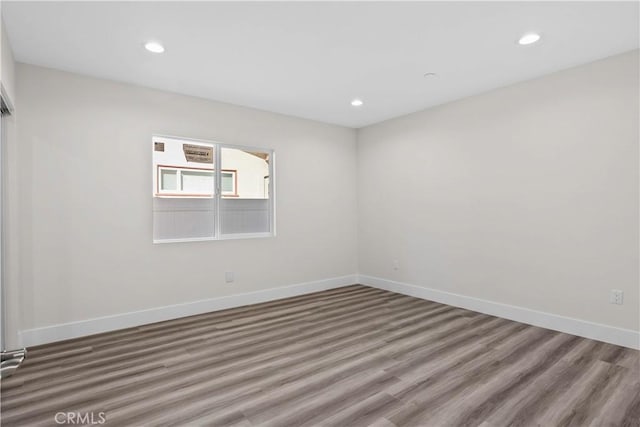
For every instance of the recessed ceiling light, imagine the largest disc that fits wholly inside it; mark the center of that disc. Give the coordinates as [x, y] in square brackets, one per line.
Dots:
[430, 75]
[357, 102]
[154, 47]
[529, 38]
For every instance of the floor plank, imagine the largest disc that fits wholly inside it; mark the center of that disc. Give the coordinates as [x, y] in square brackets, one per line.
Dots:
[353, 356]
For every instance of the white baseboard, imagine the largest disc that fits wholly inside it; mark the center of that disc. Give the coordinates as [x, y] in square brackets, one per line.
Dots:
[98, 325]
[619, 336]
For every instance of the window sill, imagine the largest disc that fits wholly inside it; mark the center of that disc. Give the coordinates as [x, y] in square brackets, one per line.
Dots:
[209, 239]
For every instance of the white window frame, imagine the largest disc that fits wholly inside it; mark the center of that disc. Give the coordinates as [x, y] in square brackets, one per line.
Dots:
[217, 196]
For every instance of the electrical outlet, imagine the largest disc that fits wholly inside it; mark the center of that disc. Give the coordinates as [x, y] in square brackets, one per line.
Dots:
[228, 277]
[616, 296]
[396, 264]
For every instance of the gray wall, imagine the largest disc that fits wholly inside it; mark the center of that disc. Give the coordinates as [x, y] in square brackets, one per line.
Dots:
[526, 195]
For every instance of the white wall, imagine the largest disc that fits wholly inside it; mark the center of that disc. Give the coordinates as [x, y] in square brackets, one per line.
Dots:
[85, 238]
[526, 195]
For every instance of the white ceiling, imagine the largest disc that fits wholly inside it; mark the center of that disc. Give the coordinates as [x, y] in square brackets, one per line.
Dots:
[310, 59]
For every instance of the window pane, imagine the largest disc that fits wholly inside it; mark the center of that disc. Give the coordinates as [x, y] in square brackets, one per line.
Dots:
[183, 218]
[227, 181]
[245, 206]
[183, 183]
[168, 179]
[238, 216]
[197, 182]
[183, 168]
[251, 170]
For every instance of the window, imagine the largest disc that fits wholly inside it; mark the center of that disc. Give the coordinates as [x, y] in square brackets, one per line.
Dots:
[183, 182]
[229, 183]
[188, 205]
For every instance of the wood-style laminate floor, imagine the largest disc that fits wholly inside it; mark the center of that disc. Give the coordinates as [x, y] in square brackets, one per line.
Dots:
[353, 356]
